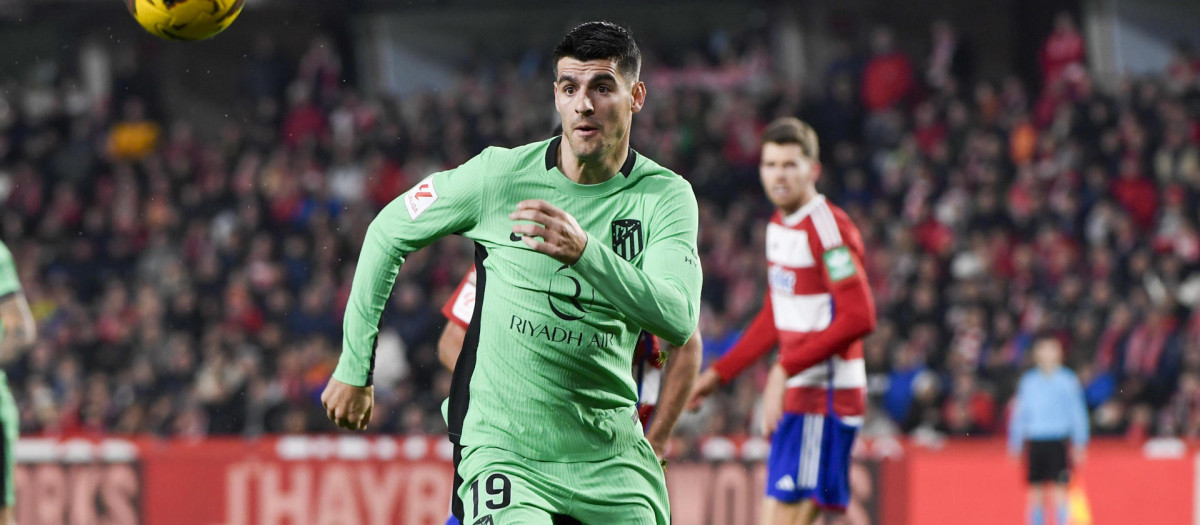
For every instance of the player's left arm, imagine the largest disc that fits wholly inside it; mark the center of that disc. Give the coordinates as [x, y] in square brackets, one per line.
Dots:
[450, 345]
[443, 203]
[458, 311]
[18, 331]
[853, 304]
[663, 296]
[679, 373]
[1016, 422]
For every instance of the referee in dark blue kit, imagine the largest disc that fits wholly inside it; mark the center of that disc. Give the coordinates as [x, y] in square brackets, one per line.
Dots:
[1050, 410]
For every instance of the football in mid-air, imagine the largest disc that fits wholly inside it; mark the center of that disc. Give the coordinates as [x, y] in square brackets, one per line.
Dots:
[185, 19]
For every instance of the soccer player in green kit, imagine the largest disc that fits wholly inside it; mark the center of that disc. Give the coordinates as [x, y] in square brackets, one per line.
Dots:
[17, 332]
[580, 244]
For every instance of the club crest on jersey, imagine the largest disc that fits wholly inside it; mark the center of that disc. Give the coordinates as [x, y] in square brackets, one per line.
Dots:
[420, 198]
[627, 238]
[486, 520]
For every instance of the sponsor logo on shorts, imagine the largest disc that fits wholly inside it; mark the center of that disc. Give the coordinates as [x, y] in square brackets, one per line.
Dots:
[785, 483]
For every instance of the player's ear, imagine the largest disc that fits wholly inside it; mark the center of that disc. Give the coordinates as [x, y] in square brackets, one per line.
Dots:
[639, 96]
[815, 167]
[554, 85]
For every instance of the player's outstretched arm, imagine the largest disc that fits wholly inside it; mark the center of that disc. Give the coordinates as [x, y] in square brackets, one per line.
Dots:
[443, 203]
[679, 374]
[758, 339]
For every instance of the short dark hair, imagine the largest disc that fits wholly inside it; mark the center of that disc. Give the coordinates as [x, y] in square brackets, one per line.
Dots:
[599, 40]
[1047, 334]
[791, 130]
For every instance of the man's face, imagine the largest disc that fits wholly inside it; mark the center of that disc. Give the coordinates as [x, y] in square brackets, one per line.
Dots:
[1047, 354]
[596, 104]
[787, 175]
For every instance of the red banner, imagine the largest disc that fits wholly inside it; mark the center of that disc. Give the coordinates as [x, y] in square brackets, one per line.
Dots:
[350, 480]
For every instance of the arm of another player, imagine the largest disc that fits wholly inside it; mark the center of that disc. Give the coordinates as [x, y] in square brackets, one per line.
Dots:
[442, 204]
[663, 296]
[458, 311]
[773, 394]
[450, 344]
[758, 339]
[679, 373]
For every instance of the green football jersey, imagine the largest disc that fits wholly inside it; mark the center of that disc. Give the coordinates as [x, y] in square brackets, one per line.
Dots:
[9, 284]
[544, 370]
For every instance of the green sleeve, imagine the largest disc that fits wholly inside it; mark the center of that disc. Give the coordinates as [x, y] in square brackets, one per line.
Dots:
[444, 203]
[663, 296]
[9, 283]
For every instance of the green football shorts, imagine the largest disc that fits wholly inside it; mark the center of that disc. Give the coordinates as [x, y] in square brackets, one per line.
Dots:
[499, 487]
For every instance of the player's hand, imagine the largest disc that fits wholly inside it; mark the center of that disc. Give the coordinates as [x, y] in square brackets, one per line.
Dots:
[1078, 456]
[705, 384]
[349, 407]
[562, 237]
[773, 399]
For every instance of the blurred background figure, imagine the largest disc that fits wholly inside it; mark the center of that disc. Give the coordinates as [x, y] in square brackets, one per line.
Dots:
[1049, 413]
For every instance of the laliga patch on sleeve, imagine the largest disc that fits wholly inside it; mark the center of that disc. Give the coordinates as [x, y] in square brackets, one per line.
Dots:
[420, 198]
[839, 264]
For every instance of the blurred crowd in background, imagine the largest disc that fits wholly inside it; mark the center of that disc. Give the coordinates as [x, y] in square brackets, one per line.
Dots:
[192, 282]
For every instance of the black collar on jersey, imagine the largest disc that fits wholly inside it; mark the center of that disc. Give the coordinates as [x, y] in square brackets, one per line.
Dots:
[552, 157]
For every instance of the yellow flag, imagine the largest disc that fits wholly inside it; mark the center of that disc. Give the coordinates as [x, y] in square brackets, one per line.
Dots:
[1080, 510]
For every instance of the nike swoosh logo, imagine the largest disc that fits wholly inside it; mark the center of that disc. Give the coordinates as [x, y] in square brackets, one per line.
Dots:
[514, 237]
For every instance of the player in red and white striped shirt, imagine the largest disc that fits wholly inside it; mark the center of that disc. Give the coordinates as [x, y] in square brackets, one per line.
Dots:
[817, 310]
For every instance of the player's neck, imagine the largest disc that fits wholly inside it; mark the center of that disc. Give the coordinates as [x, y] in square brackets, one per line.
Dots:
[591, 170]
[803, 201]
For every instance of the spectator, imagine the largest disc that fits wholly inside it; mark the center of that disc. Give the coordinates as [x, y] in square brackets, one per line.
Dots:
[134, 136]
[1063, 50]
[968, 409]
[887, 77]
[951, 58]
